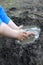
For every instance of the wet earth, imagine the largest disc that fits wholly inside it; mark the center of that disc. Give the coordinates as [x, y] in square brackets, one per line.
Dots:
[12, 53]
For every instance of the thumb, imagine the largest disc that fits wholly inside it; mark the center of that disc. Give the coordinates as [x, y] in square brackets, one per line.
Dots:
[21, 26]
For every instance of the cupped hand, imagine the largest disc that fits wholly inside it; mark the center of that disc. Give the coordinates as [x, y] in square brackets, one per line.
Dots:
[21, 34]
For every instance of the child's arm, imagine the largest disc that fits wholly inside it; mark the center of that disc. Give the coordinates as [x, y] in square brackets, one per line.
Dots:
[7, 20]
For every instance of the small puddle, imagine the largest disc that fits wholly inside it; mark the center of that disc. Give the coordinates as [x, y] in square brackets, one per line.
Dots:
[31, 39]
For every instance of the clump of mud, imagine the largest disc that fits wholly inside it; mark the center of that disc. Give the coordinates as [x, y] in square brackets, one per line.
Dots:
[12, 53]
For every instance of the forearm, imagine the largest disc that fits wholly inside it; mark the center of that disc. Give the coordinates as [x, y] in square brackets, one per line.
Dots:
[12, 25]
[4, 17]
[7, 31]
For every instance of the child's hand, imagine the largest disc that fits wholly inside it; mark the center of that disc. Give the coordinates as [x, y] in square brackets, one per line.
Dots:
[30, 34]
[21, 35]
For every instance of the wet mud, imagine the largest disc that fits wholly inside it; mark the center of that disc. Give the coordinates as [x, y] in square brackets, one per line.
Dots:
[12, 53]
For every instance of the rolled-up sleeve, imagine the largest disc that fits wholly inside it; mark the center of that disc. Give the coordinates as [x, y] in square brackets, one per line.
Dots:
[4, 16]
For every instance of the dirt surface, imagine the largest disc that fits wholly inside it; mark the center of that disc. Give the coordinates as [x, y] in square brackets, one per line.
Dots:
[12, 53]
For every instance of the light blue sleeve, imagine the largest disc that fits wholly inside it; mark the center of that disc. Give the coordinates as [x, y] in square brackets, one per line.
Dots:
[4, 16]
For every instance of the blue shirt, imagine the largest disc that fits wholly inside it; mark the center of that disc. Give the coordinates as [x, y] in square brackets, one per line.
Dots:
[3, 16]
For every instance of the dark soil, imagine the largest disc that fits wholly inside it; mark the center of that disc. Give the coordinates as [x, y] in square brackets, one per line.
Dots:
[12, 53]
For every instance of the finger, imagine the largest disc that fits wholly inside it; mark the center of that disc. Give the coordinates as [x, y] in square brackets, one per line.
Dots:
[30, 33]
[25, 35]
[24, 32]
[21, 26]
[23, 38]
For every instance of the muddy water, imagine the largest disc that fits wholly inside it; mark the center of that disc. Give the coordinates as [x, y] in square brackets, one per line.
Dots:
[31, 39]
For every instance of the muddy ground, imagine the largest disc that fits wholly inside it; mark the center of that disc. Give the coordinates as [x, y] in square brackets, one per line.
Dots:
[12, 53]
